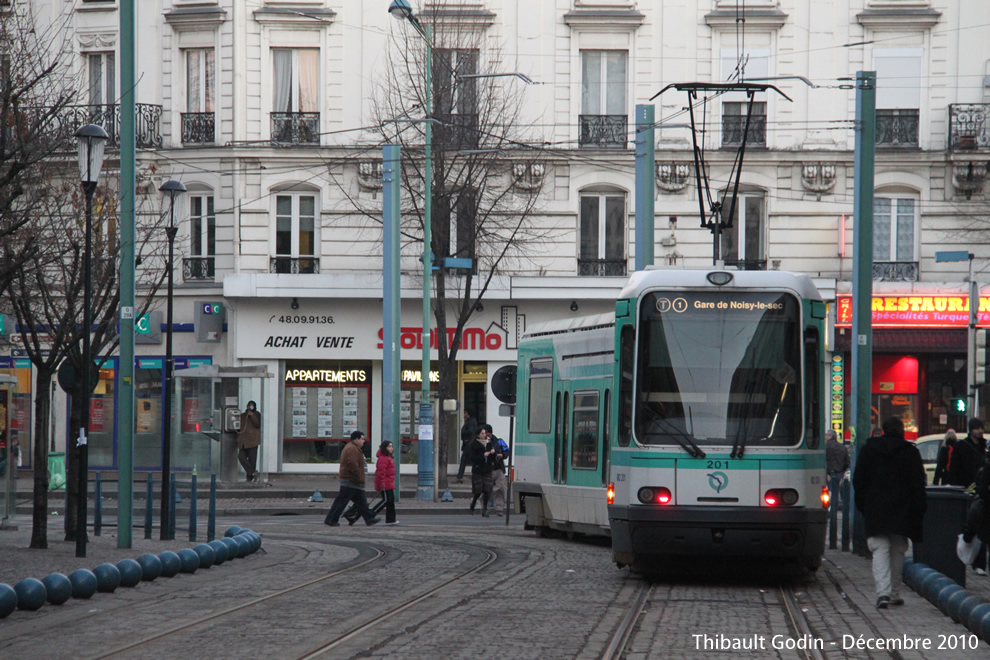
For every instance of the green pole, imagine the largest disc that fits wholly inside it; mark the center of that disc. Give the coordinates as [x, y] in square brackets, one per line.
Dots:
[391, 214]
[645, 178]
[425, 479]
[862, 332]
[128, 185]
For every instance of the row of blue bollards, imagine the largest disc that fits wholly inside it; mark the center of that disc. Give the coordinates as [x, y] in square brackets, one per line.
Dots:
[31, 594]
[962, 606]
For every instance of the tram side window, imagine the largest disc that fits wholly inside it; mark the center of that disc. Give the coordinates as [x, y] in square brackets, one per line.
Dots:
[626, 361]
[584, 441]
[813, 383]
[540, 395]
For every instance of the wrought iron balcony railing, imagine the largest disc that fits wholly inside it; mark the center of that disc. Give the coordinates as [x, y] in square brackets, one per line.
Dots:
[895, 271]
[897, 129]
[147, 124]
[197, 269]
[198, 128]
[733, 127]
[747, 264]
[603, 131]
[602, 267]
[458, 131]
[296, 127]
[286, 265]
[968, 128]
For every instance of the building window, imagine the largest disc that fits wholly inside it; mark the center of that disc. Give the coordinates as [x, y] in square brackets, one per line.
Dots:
[894, 228]
[202, 239]
[898, 96]
[604, 116]
[456, 98]
[295, 234]
[101, 79]
[295, 105]
[752, 64]
[742, 244]
[198, 124]
[602, 235]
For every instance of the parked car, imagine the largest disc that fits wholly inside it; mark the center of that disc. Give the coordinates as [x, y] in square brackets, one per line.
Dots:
[929, 445]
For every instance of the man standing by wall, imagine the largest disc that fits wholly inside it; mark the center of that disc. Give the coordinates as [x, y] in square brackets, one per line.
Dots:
[352, 473]
[890, 492]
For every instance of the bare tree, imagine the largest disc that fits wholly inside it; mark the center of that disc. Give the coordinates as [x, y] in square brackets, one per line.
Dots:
[486, 181]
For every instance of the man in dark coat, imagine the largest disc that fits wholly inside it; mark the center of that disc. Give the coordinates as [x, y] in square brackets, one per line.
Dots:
[352, 474]
[836, 464]
[889, 481]
[968, 456]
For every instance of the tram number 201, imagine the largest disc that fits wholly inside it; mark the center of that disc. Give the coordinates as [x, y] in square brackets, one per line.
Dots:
[718, 465]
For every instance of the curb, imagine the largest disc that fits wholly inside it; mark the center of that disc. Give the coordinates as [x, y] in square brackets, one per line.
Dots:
[25, 512]
[960, 605]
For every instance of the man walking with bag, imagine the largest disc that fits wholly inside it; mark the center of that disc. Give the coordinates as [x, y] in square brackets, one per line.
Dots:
[890, 493]
[352, 473]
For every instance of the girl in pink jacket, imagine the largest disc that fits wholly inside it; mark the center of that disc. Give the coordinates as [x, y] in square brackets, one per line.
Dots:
[385, 481]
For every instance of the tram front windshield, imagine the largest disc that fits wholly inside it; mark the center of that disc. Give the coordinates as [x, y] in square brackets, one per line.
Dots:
[719, 368]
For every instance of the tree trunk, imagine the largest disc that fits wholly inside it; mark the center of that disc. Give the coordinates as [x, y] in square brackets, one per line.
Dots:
[42, 415]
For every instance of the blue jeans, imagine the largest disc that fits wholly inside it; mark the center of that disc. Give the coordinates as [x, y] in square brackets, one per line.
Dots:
[834, 483]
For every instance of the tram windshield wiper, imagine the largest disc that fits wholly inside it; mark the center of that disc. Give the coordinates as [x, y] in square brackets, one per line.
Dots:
[683, 439]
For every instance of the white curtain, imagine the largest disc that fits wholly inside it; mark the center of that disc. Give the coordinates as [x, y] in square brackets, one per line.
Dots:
[615, 81]
[282, 81]
[309, 67]
[591, 83]
[193, 81]
[208, 75]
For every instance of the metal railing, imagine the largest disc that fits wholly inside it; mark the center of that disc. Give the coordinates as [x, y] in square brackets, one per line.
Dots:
[286, 265]
[733, 127]
[198, 127]
[895, 271]
[897, 129]
[602, 267]
[147, 125]
[747, 264]
[603, 131]
[296, 127]
[197, 269]
[457, 131]
[968, 127]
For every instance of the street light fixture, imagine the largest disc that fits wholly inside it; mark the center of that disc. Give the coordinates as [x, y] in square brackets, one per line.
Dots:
[173, 189]
[402, 10]
[90, 140]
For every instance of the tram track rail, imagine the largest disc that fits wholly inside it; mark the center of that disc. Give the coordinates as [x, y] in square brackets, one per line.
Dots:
[799, 622]
[617, 644]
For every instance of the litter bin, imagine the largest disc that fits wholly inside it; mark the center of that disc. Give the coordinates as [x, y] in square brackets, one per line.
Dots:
[56, 470]
[944, 521]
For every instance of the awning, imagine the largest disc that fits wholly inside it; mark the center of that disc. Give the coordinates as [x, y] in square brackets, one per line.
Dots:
[887, 340]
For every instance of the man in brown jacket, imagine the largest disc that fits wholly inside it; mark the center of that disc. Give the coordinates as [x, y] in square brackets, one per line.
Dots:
[248, 440]
[352, 473]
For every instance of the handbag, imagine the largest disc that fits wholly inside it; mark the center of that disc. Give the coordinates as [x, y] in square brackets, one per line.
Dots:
[967, 551]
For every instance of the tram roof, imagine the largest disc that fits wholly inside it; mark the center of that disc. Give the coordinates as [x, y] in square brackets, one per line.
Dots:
[575, 324]
[695, 278]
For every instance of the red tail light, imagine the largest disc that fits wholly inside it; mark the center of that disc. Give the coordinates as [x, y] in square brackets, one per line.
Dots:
[610, 494]
[781, 497]
[655, 495]
[826, 497]
[770, 498]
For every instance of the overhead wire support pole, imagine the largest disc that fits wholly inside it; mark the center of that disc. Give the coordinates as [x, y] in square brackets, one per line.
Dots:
[645, 186]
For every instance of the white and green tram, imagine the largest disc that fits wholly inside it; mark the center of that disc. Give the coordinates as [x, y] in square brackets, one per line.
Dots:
[687, 424]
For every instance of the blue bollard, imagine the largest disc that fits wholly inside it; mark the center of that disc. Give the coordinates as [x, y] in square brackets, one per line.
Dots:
[58, 587]
[107, 578]
[148, 507]
[971, 619]
[171, 564]
[31, 594]
[130, 572]
[192, 511]
[83, 583]
[211, 521]
[98, 506]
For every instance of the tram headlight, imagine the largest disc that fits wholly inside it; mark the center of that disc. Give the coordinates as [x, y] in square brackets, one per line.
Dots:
[780, 497]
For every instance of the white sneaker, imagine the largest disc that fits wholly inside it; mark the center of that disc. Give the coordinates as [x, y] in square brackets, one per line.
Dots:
[393, 523]
[979, 571]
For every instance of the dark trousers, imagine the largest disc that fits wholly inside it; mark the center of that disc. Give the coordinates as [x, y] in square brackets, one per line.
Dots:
[387, 502]
[349, 494]
[464, 461]
[248, 459]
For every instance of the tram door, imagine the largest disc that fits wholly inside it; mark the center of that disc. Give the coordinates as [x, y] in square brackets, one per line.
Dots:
[558, 431]
[561, 441]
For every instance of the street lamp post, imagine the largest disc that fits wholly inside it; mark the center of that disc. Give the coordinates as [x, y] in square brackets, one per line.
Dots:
[90, 142]
[401, 9]
[173, 189]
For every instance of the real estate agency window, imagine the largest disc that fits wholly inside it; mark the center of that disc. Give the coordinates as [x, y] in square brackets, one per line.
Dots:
[743, 243]
[895, 227]
[295, 233]
[602, 234]
[751, 64]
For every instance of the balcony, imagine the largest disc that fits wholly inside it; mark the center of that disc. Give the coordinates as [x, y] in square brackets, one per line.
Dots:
[296, 127]
[198, 128]
[197, 269]
[968, 126]
[607, 131]
[602, 267]
[897, 129]
[458, 131]
[147, 125]
[895, 271]
[294, 265]
[733, 127]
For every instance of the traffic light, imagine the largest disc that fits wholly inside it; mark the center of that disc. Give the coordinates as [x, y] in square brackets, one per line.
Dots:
[958, 405]
[981, 357]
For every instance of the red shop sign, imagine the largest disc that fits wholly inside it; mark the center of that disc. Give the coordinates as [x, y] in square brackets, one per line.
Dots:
[915, 310]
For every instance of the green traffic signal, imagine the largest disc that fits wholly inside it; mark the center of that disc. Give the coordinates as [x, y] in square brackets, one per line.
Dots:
[959, 405]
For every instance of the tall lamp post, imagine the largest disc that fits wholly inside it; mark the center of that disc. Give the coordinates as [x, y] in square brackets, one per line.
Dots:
[402, 10]
[90, 142]
[173, 189]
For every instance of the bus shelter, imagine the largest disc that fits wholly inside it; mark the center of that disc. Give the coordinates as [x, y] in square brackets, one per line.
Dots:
[8, 453]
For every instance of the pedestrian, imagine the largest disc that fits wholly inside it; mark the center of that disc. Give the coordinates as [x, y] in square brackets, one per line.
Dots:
[352, 473]
[384, 484]
[967, 457]
[468, 433]
[481, 471]
[500, 456]
[889, 482]
[944, 459]
[836, 464]
[248, 440]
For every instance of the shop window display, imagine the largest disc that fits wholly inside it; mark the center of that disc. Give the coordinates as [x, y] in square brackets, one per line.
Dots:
[322, 408]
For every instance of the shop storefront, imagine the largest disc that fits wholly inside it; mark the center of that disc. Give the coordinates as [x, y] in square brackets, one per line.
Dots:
[21, 417]
[919, 359]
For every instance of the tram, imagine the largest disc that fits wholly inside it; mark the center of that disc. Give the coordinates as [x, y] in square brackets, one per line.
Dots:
[687, 424]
